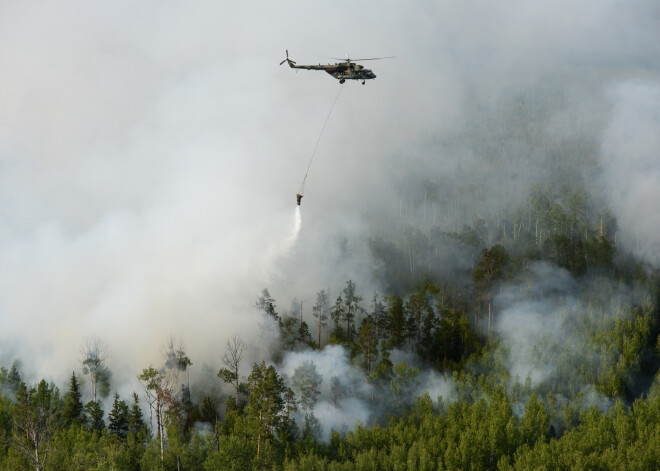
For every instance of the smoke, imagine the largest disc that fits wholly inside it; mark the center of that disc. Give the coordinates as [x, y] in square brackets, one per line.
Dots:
[338, 408]
[548, 325]
[149, 154]
[630, 165]
[347, 399]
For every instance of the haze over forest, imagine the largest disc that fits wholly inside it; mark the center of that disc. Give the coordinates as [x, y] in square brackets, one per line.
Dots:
[150, 155]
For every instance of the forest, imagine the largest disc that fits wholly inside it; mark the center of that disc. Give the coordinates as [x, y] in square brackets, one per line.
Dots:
[538, 350]
[471, 281]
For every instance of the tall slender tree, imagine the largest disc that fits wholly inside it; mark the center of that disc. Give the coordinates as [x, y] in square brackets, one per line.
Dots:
[136, 423]
[378, 315]
[489, 271]
[266, 304]
[351, 306]
[95, 415]
[320, 311]
[306, 381]
[73, 406]
[270, 403]
[159, 392]
[396, 320]
[176, 361]
[366, 344]
[418, 306]
[94, 356]
[118, 418]
[337, 314]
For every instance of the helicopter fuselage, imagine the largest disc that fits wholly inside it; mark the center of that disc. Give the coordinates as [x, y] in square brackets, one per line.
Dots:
[350, 71]
[342, 71]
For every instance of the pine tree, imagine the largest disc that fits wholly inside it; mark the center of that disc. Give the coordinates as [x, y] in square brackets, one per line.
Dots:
[303, 332]
[418, 307]
[135, 421]
[306, 381]
[320, 311]
[378, 315]
[490, 269]
[118, 423]
[366, 344]
[14, 378]
[396, 320]
[351, 306]
[266, 304]
[337, 314]
[95, 416]
[73, 406]
[36, 420]
[269, 403]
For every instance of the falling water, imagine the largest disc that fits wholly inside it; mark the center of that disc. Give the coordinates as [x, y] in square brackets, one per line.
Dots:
[297, 222]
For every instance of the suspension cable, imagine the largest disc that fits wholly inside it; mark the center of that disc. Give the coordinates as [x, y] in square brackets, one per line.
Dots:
[302, 185]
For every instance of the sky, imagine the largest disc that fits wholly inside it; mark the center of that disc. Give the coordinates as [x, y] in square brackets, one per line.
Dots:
[150, 152]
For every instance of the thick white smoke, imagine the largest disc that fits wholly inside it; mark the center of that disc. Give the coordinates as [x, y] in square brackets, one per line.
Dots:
[150, 152]
[630, 160]
[354, 400]
[340, 411]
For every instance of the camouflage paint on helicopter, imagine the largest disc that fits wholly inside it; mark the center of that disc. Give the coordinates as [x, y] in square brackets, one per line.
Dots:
[342, 71]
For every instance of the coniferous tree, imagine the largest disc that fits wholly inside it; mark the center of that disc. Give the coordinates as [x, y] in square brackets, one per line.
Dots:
[366, 344]
[489, 271]
[320, 311]
[208, 412]
[118, 418]
[270, 403]
[266, 304]
[303, 332]
[135, 421]
[396, 320]
[36, 420]
[336, 390]
[378, 316]
[418, 306]
[73, 406]
[351, 307]
[14, 377]
[95, 414]
[306, 381]
[337, 314]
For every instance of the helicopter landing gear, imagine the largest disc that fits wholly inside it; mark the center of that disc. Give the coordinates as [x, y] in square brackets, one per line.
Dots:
[342, 80]
[363, 82]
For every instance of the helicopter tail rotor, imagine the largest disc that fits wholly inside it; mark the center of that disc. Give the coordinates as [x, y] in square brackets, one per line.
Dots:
[287, 59]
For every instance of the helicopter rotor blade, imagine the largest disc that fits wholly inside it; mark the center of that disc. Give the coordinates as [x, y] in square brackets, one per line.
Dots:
[287, 59]
[348, 59]
[374, 58]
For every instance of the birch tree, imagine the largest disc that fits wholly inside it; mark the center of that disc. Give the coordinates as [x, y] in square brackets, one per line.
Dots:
[234, 348]
[158, 389]
[36, 419]
[94, 356]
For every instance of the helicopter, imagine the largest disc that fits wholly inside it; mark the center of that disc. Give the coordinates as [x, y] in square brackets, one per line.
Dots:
[342, 71]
